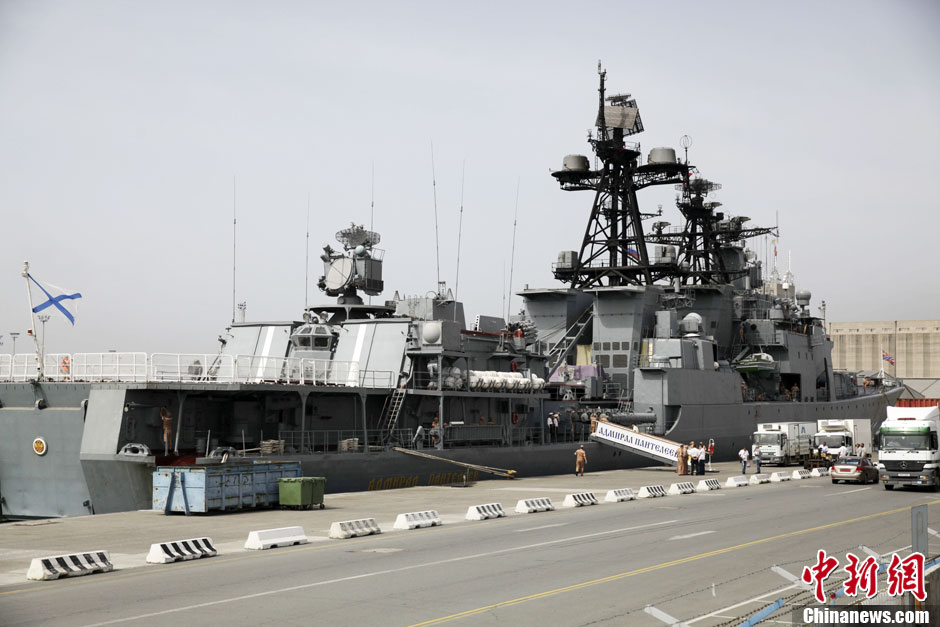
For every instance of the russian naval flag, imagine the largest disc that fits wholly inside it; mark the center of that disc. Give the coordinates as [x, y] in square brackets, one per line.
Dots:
[56, 297]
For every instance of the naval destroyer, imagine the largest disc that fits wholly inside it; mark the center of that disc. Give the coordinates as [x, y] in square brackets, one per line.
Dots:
[674, 330]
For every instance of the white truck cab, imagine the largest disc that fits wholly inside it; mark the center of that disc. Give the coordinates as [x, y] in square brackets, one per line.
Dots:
[909, 454]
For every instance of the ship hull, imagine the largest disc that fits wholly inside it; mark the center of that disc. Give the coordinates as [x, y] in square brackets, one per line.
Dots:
[81, 473]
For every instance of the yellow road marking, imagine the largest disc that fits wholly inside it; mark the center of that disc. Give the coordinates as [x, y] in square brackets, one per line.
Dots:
[647, 569]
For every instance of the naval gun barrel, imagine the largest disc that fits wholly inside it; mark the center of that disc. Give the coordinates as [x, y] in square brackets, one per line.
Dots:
[638, 418]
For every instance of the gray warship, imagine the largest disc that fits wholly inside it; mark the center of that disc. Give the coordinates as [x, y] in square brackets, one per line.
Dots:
[673, 330]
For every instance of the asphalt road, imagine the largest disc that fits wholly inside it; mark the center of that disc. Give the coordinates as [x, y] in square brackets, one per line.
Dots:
[702, 558]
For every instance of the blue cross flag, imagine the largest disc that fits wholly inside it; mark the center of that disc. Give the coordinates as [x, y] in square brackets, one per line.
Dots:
[55, 300]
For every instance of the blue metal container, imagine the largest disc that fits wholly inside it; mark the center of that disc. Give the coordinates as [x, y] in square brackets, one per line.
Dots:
[219, 487]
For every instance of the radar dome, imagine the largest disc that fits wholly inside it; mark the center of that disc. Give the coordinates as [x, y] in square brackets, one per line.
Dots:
[803, 297]
[575, 163]
[662, 155]
[692, 324]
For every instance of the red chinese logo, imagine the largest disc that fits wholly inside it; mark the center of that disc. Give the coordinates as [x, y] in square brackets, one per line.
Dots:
[862, 575]
[819, 573]
[904, 575]
[907, 575]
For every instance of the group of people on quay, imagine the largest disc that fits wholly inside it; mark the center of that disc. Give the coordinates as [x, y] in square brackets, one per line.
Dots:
[692, 458]
[826, 452]
[571, 426]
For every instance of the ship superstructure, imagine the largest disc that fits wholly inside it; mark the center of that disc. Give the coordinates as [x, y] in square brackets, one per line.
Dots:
[654, 322]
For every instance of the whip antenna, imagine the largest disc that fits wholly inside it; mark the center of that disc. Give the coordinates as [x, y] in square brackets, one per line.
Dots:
[372, 210]
[463, 172]
[437, 245]
[512, 258]
[307, 257]
[234, 226]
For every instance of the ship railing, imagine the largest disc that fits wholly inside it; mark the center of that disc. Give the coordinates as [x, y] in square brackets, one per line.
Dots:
[189, 368]
[344, 373]
[57, 367]
[340, 441]
[303, 371]
[377, 379]
[24, 367]
[124, 367]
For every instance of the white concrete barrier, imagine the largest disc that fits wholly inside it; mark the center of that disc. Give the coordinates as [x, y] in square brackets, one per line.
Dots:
[801, 474]
[708, 484]
[530, 506]
[780, 476]
[270, 538]
[69, 565]
[353, 528]
[684, 487]
[179, 550]
[736, 482]
[616, 496]
[487, 510]
[416, 520]
[759, 478]
[580, 499]
[820, 472]
[651, 492]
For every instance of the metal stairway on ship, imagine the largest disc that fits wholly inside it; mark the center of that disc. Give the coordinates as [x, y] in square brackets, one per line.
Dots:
[391, 412]
[560, 351]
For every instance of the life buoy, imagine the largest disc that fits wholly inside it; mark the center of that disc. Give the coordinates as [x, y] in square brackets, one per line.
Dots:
[65, 364]
[515, 418]
[711, 449]
[514, 366]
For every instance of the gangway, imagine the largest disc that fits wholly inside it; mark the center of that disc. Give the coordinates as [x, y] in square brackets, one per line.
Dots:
[645, 444]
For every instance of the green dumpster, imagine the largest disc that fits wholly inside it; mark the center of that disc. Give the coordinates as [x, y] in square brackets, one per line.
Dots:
[301, 492]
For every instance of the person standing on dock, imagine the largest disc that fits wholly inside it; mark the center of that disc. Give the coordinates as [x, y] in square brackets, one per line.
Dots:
[580, 461]
[701, 459]
[756, 455]
[167, 418]
[693, 457]
[681, 455]
[743, 455]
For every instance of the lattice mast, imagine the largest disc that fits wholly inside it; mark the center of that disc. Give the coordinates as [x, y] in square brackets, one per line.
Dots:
[613, 251]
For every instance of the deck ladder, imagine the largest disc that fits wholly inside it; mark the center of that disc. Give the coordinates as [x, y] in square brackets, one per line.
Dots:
[561, 349]
[392, 409]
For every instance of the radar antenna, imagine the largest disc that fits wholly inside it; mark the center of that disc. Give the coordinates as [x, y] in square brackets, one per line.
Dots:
[613, 250]
[357, 267]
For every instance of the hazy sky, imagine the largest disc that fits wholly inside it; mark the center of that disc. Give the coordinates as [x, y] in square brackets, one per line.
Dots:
[122, 125]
